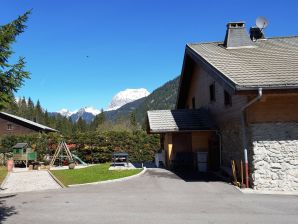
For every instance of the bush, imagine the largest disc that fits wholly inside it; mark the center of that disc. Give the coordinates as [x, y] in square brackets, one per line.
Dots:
[91, 147]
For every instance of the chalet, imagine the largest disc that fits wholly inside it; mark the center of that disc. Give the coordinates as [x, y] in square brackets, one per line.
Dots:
[15, 125]
[237, 100]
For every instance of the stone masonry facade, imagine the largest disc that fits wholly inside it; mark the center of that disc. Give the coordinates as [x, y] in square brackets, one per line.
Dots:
[274, 156]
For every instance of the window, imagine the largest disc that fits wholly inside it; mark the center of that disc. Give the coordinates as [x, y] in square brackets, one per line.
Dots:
[228, 99]
[193, 100]
[9, 127]
[212, 92]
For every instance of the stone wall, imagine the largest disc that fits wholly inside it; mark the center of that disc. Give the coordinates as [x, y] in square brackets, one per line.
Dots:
[275, 156]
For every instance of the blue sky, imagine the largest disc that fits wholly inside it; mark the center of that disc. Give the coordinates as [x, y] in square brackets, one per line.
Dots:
[129, 44]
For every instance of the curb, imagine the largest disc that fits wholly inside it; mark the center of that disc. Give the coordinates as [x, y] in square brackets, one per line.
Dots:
[260, 192]
[111, 181]
[56, 179]
[4, 181]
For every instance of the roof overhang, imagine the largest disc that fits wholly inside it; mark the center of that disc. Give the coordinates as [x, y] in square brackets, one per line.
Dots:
[191, 58]
[173, 121]
[26, 123]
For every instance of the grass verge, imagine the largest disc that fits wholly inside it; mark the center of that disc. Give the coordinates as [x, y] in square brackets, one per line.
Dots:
[3, 173]
[91, 174]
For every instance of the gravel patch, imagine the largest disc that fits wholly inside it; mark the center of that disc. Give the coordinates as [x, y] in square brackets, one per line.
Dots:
[28, 181]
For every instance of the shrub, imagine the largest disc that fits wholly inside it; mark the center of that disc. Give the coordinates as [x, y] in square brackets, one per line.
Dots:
[91, 147]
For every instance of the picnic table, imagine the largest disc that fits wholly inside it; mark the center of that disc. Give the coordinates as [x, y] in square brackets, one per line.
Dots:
[120, 158]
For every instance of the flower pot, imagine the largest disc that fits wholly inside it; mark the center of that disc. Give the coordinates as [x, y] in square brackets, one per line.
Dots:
[10, 165]
[71, 166]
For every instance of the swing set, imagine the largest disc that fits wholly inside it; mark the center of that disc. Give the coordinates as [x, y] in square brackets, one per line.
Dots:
[62, 147]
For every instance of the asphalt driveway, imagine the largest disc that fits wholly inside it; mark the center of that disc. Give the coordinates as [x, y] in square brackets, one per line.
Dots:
[158, 196]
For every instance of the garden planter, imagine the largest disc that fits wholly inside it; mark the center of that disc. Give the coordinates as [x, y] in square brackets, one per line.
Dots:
[71, 166]
[10, 165]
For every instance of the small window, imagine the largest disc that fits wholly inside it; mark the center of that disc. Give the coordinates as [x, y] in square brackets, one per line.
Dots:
[9, 127]
[228, 99]
[193, 100]
[212, 92]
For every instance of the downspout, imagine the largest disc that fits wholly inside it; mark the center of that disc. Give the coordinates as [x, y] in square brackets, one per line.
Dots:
[220, 153]
[244, 140]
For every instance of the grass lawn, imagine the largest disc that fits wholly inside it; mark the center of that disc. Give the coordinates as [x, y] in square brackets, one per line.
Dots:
[3, 172]
[90, 174]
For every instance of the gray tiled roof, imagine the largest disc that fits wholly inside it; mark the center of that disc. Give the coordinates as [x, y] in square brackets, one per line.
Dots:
[32, 123]
[161, 121]
[272, 63]
[20, 145]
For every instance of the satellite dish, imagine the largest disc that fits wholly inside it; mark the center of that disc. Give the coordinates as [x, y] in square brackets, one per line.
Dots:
[261, 22]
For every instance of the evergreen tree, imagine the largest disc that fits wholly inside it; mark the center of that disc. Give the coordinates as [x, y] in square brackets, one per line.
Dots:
[133, 120]
[22, 107]
[38, 113]
[98, 121]
[101, 117]
[81, 125]
[30, 109]
[47, 118]
[12, 76]
[13, 107]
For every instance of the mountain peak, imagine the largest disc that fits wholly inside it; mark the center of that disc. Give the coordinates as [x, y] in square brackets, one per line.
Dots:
[64, 112]
[92, 110]
[127, 96]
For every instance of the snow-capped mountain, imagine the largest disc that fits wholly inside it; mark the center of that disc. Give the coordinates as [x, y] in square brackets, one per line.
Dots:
[86, 113]
[126, 96]
[64, 112]
[67, 113]
[120, 99]
[92, 110]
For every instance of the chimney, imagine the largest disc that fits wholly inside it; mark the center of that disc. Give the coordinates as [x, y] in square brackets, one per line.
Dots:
[236, 36]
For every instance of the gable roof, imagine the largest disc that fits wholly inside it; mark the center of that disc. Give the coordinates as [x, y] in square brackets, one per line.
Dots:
[26, 122]
[163, 121]
[271, 64]
[20, 145]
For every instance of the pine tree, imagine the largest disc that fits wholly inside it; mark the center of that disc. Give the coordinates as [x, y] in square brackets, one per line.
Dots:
[30, 108]
[38, 113]
[98, 121]
[22, 107]
[46, 118]
[101, 117]
[81, 125]
[133, 120]
[12, 76]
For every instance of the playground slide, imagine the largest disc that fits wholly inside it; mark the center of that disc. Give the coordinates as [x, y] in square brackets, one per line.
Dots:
[77, 158]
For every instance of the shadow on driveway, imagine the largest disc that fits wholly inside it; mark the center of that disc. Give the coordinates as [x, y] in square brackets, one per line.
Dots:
[194, 176]
[6, 211]
[188, 175]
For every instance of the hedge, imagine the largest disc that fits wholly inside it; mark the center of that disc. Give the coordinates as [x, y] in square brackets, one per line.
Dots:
[91, 147]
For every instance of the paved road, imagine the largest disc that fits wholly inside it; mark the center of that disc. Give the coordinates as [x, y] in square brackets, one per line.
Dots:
[157, 196]
[29, 181]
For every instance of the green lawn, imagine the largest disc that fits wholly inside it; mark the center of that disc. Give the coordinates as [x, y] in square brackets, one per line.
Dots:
[91, 174]
[3, 172]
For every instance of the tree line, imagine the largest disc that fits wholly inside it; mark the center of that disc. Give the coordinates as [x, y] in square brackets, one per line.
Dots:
[26, 108]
